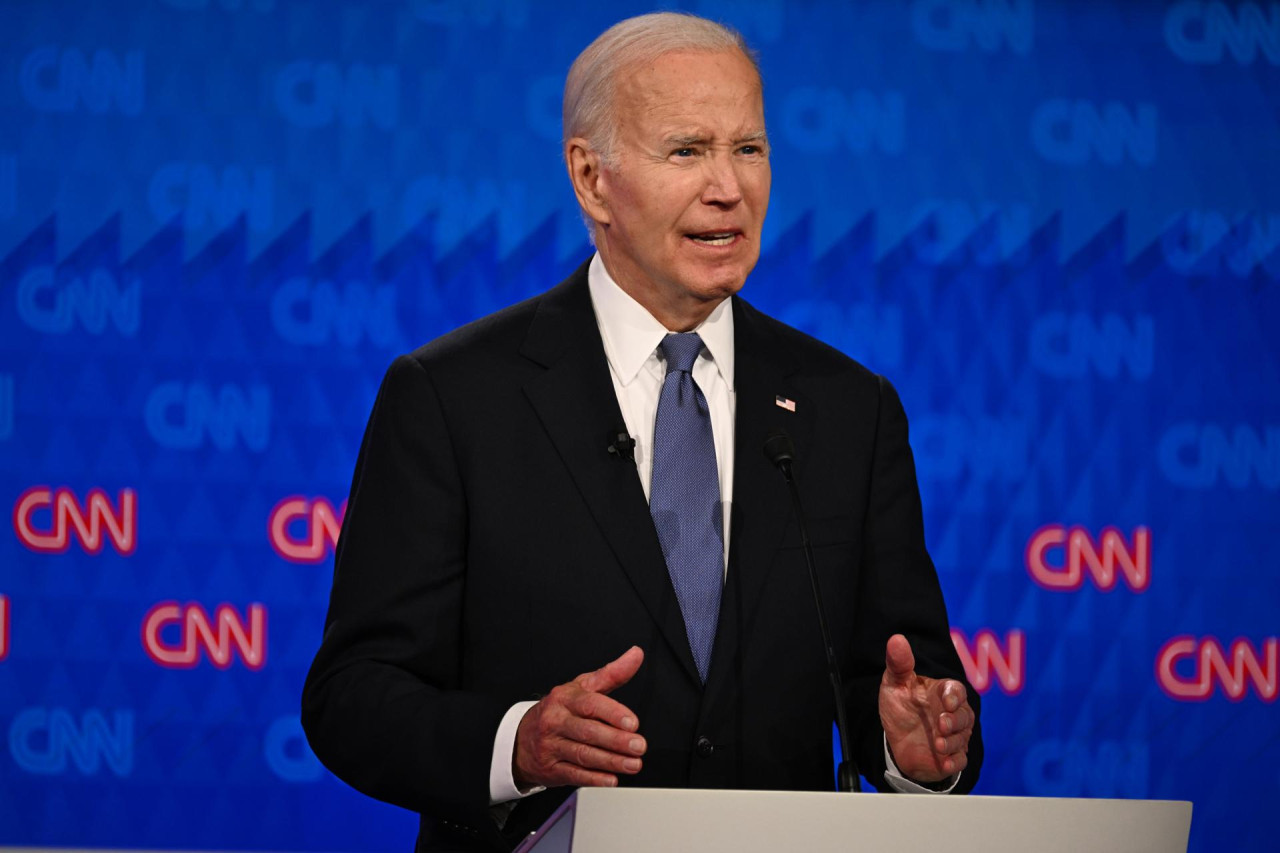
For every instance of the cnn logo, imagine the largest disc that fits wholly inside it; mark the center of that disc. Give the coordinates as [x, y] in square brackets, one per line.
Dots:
[303, 530]
[1059, 557]
[47, 520]
[174, 635]
[988, 662]
[1189, 669]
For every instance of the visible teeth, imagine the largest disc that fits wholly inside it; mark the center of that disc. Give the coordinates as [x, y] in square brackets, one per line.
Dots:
[714, 239]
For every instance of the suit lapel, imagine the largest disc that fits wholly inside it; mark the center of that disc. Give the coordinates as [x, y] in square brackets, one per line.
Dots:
[761, 500]
[576, 403]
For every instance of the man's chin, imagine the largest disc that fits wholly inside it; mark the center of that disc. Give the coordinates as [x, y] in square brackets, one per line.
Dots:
[716, 290]
[721, 284]
[725, 276]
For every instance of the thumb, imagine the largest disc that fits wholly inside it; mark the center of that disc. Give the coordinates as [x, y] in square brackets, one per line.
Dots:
[899, 662]
[615, 673]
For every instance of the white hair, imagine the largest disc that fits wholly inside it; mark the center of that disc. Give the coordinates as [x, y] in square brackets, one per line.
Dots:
[590, 88]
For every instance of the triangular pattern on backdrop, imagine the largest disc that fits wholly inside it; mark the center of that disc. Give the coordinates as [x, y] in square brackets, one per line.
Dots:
[1018, 445]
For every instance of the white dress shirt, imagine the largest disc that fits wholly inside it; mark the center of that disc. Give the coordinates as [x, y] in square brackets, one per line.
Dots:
[636, 364]
[631, 337]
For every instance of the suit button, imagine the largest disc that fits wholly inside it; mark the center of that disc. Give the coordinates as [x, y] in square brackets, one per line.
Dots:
[704, 747]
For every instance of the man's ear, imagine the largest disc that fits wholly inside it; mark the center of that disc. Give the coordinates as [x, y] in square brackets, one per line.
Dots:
[585, 174]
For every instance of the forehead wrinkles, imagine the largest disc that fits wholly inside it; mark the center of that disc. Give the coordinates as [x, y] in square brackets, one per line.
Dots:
[657, 84]
[676, 108]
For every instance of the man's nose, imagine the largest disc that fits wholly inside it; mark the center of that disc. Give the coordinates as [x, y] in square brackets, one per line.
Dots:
[723, 187]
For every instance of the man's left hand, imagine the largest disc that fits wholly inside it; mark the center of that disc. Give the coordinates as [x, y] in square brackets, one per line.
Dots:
[927, 721]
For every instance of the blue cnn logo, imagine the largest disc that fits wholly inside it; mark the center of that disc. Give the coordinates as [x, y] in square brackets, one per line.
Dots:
[318, 94]
[60, 81]
[1209, 242]
[1203, 33]
[1199, 456]
[1058, 768]
[1072, 133]
[985, 448]
[989, 25]
[315, 314]
[55, 303]
[287, 754]
[1071, 346]
[823, 120]
[49, 740]
[955, 231]
[459, 207]
[870, 333]
[209, 197]
[183, 415]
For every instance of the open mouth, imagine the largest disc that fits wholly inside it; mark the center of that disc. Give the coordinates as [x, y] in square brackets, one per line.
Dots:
[715, 238]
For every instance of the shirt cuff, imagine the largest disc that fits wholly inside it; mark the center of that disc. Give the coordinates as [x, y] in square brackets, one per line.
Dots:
[903, 785]
[502, 783]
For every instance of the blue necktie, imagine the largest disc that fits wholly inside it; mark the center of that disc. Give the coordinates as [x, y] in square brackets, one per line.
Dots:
[684, 496]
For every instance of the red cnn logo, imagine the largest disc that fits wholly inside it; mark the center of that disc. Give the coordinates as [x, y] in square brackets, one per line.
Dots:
[4, 626]
[68, 517]
[984, 654]
[320, 525]
[1101, 558]
[221, 637]
[1212, 664]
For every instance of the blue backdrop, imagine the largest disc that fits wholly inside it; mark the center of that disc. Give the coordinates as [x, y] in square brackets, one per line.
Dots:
[1054, 225]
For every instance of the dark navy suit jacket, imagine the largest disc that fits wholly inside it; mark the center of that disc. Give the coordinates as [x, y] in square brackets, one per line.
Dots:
[493, 548]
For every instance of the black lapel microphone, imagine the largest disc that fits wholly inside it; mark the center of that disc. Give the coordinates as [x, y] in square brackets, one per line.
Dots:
[781, 451]
[622, 445]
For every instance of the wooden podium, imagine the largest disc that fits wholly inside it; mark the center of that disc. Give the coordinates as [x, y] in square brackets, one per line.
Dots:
[648, 820]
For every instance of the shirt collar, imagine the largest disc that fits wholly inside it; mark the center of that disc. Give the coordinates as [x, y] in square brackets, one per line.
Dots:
[631, 334]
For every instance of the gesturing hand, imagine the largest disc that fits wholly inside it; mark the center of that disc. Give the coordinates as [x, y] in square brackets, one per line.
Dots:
[927, 721]
[576, 735]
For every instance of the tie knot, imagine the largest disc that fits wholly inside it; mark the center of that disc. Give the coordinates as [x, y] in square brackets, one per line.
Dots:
[681, 350]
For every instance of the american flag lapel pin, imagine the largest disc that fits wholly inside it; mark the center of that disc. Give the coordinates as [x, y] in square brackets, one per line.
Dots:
[783, 403]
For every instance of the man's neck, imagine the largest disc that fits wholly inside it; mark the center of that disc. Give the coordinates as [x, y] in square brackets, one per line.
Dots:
[680, 315]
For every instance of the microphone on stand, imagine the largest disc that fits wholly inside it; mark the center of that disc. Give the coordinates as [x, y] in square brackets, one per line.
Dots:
[781, 451]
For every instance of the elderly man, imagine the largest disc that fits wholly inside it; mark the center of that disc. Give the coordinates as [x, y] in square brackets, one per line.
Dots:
[567, 562]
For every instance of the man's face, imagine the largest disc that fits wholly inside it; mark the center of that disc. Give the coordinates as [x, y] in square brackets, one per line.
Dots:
[686, 196]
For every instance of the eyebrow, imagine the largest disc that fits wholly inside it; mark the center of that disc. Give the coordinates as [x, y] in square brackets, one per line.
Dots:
[694, 139]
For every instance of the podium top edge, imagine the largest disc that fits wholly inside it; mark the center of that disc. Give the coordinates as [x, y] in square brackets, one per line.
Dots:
[766, 793]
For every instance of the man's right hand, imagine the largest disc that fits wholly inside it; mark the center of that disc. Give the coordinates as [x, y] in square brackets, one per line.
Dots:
[577, 735]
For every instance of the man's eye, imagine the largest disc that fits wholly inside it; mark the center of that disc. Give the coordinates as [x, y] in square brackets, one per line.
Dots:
[751, 149]
[683, 152]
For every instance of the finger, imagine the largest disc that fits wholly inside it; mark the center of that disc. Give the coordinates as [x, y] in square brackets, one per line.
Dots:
[597, 706]
[954, 723]
[953, 695]
[614, 674]
[965, 718]
[955, 763]
[899, 662]
[950, 745]
[571, 774]
[604, 736]
[596, 759]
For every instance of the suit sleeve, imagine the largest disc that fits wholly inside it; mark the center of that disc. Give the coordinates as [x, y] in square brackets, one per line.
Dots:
[899, 594]
[383, 706]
